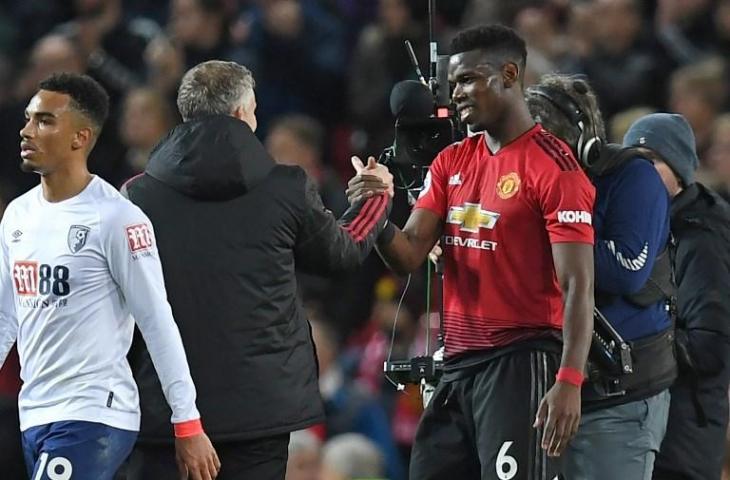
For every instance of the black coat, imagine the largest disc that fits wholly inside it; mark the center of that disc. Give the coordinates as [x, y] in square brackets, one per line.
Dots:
[695, 441]
[231, 226]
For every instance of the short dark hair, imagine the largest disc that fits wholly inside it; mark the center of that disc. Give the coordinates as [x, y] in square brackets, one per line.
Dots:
[87, 96]
[493, 37]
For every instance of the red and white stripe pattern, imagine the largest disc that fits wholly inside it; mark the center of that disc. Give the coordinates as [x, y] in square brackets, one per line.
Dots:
[367, 218]
[556, 150]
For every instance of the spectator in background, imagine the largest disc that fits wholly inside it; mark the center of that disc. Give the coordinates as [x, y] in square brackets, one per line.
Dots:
[478, 12]
[624, 65]
[200, 28]
[349, 407]
[694, 445]
[718, 156]
[699, 91]
[685, 28]
[722, 28]
[30, 20]
[379, 61]
[297, 51]
[356, 14]
[146, 118]
[352, 456]
[546, 40]
[404, 408]
[304, 456]
[579, 28]
[621, 122]
[300, 140]
[49, 54]
[197, 30]
[110, 43]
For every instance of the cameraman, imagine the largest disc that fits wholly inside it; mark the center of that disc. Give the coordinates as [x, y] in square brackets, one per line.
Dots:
[621, 429]
[514, 208]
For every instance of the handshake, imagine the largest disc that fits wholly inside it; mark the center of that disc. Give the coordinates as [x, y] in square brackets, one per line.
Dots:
[369, 180]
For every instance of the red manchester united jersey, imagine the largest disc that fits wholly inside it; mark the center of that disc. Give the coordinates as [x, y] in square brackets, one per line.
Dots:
[501, 214]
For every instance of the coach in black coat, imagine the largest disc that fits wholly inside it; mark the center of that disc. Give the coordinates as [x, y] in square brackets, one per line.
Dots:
[231, 226]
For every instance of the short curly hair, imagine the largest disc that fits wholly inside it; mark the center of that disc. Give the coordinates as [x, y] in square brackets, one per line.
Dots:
[87, 96]
[493, 37]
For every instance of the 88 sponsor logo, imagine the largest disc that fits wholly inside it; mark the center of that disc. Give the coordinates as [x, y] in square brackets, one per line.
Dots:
[32, 279]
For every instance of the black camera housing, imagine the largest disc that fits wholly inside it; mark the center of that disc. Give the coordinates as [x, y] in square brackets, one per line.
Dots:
[418, 141]
[414, 370]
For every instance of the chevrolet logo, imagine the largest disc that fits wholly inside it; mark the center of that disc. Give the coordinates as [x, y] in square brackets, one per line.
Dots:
[471, 217]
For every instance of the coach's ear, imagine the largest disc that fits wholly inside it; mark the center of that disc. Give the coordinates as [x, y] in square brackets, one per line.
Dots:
[510, 74]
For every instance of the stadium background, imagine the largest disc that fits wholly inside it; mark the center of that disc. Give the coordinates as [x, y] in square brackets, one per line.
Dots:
[324, 70]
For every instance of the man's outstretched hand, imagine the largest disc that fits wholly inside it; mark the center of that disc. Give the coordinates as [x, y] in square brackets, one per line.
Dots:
[369, 180]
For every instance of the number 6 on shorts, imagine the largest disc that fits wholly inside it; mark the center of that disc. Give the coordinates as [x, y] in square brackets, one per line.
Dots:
[506, 465]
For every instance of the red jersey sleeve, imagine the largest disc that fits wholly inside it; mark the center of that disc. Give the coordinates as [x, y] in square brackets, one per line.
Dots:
[566, 197]
[433, 195]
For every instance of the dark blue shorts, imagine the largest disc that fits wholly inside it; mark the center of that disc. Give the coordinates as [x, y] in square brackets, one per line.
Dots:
[75, 450]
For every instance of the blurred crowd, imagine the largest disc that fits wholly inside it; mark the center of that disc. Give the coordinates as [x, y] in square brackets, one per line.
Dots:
[324, 70]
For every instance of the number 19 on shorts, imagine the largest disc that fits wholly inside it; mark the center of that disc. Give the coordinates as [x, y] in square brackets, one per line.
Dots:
[58, 468]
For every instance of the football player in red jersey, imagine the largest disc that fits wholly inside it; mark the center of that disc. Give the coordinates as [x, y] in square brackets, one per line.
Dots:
[513, 209]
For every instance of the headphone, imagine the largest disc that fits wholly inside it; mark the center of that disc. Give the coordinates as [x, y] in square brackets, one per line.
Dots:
[588, 147]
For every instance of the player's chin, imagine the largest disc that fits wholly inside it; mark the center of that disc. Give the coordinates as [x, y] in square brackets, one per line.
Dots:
[27, 165]
[31, 165]
[477, 125]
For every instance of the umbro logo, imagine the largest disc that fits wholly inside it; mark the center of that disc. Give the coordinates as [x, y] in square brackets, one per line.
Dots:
[455, 179]
[16, 236]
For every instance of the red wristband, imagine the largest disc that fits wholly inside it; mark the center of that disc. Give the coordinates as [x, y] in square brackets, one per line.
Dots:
[188, 429]
[570, 375]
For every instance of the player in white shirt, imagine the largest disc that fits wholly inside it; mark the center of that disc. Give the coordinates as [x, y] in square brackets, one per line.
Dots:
[78, 268]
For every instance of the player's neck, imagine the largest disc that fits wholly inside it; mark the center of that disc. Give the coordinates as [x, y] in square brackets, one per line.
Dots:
[516, 121]
[64, 184]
